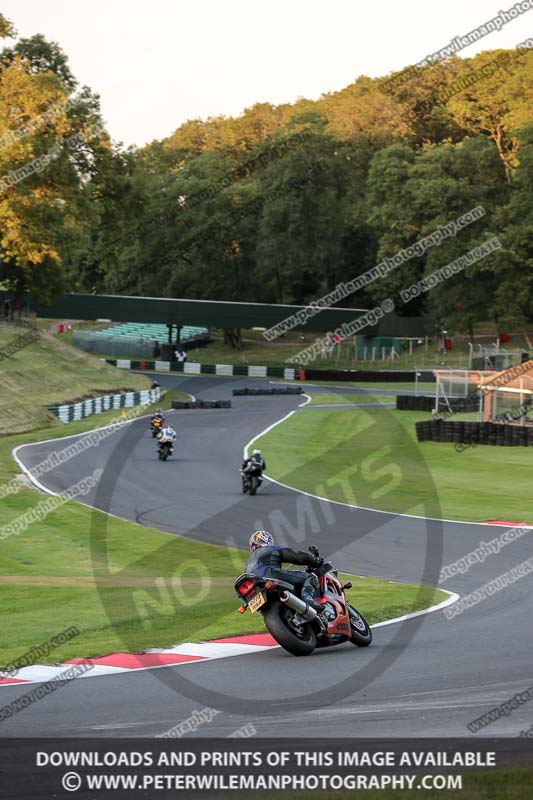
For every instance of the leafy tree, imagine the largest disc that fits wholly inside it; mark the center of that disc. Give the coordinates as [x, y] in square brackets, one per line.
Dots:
[313, 201]
[496, 107]
[513, 265]
[48, 137]
[7, 29]
[415, 194]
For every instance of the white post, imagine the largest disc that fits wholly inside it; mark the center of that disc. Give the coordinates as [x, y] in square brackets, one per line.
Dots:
[373, 354]
[410, 347]
[383, 354]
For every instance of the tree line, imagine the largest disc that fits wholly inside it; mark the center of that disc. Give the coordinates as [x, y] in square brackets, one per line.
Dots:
[282, 203]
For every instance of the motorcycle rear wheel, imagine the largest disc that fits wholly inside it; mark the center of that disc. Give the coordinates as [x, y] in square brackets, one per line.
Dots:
[361, 633]
[276, 625]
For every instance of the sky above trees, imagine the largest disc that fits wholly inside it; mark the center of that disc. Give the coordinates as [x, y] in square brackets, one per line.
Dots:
[156, 66]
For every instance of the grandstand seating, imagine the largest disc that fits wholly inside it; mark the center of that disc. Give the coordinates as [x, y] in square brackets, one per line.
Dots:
[149, 332]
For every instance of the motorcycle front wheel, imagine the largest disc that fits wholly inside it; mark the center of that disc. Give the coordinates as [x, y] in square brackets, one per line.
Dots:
[254, 483]
[299, 641]
[360, 632]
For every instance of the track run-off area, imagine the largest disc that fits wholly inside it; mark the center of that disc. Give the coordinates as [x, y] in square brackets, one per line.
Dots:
[427, 676]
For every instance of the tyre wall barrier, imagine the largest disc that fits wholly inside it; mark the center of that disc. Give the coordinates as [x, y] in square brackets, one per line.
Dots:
[179, 404]
[414, 402]
[97, 405]
[427, 403]
[282, 390]
[473, 433]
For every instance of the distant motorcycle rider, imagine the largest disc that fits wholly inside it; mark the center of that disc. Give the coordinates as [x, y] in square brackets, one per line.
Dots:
[158, 414]
[266, 560]
[256, 460]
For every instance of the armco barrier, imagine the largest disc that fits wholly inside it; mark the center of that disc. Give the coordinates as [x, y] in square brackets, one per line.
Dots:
[178, 404]
[97, 405]
[287, 373]
[367, 375]
[192, 368]
[474, 433]
[281, 390]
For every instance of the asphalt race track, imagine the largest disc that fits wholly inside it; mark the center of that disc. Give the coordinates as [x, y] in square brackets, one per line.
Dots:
[428, 676]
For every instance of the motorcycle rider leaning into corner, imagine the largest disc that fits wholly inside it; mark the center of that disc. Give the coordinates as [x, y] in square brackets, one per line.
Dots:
[266, 559]
[257, 459]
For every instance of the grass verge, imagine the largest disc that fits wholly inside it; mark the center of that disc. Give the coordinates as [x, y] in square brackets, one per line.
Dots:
[351, 399]
[427, 478]
[48, 372]
[501, 784]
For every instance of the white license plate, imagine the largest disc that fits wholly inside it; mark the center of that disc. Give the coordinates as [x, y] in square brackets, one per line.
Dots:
[256, 602]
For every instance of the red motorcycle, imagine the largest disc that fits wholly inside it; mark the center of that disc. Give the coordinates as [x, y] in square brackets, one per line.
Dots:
[296, 626]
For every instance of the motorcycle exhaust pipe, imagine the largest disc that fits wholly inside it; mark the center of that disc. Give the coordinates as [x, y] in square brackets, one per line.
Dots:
[298, 605]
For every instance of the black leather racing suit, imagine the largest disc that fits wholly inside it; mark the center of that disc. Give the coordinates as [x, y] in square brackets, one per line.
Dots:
[267, 561]
[258, 460]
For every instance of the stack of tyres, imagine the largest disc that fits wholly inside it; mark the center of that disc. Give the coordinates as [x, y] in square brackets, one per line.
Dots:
[491, 433]
[483, 433]
[475, 432]
[507, 435]
[467, 433]
[447, 431]
[427, 430]
[501, 435]
[459, 432]
[279, 390]
[523, 436]
[420, 432]
[436, 430]
[177, 404]
[530, 436]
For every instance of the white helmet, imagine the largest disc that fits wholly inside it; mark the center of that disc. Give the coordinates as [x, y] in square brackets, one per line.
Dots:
[256, 453]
